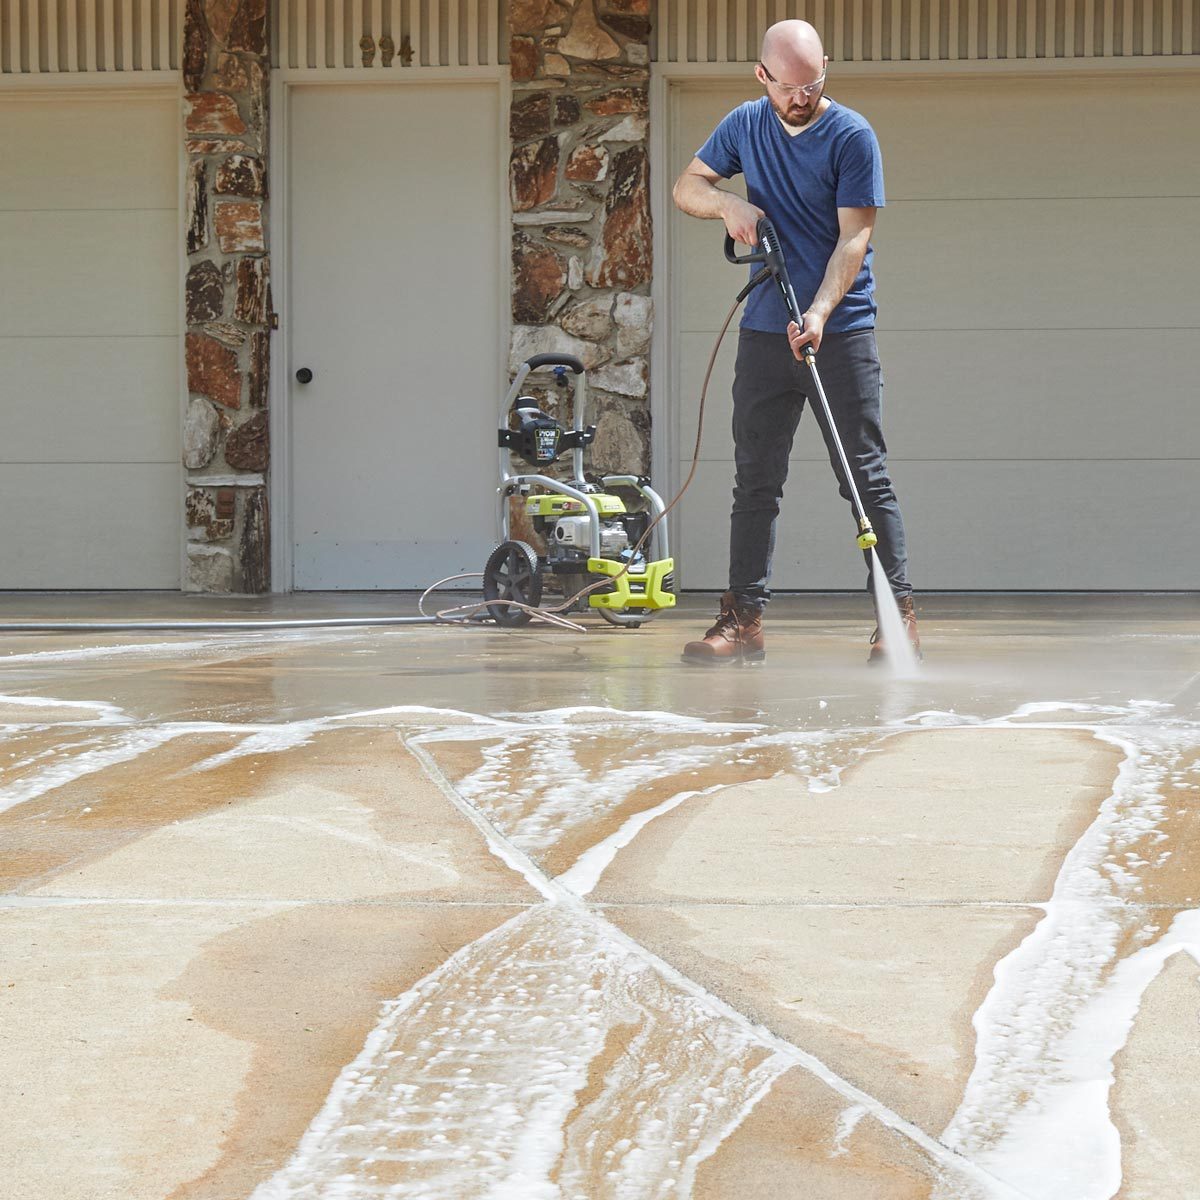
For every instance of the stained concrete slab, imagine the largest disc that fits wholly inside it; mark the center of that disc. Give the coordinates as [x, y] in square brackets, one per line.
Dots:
[180, 1050]
[1156, 1091]
[929, 815]
[862, 964]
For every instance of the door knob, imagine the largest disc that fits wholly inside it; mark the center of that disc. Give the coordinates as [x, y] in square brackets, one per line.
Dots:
[304, 375]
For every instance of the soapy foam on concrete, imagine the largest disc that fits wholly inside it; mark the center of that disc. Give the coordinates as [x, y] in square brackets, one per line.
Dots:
[475, 1082]
[1035, 1110]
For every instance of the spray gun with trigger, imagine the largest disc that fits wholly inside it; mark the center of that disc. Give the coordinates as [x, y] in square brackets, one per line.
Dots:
[770, 254]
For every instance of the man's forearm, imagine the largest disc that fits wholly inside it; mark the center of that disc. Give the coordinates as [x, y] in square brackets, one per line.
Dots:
[699, 198]
[840, 273]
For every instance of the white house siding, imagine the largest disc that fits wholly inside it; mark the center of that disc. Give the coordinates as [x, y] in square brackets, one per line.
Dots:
[90, 472]
[1038, 328]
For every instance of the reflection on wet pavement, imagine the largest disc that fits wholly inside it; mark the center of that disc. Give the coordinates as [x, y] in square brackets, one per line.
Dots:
[650, 931]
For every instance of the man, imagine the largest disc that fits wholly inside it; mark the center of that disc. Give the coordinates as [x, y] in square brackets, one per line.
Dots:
[814, 167]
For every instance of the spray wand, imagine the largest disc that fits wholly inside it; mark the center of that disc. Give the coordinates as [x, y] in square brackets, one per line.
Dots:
[770, 254]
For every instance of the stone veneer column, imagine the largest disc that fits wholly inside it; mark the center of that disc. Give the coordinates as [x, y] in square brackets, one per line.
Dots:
[579, 180]
[226, 448]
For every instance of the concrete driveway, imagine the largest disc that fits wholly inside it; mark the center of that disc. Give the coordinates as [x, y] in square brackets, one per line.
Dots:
[451, 913]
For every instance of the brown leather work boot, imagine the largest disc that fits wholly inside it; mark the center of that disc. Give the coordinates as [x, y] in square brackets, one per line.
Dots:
[909, 617]
[736, 637]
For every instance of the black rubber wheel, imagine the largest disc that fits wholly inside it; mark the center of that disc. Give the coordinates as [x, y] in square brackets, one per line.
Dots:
[512, 573]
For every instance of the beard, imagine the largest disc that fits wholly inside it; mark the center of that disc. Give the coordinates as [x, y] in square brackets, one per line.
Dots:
[794, 112]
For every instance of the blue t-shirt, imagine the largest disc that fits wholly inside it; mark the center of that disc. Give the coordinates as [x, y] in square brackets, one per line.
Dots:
[800, 182]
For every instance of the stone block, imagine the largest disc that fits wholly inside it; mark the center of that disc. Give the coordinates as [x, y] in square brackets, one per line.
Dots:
[201, 432]
[528, 340]
[567, 235]
[219, 15]
[637, 53]
[587, 164]
[633, 316]
[574, 273]
[533, 174]
[195, 45]
[209, 569]
[239, 228]
[212, 370]
[620, 100]
[250, 306]
[205, 293]
[622, 441]
[585, 39]
[197, 206]
[213, 112]
[623, 257]
[637, 8]
[247, 448]
[230, 74]
[632, 129]
[241, 175]
[529, 117]
[556, 67]
[627, 378]
[197, 147]
[569, 211]
[566, 110]
[248, 29]
[636, 29]
[539, 277]
[528, 16]
[227, 333]
[260, 368]
[522, 58]
[254, 545]
[591, 320]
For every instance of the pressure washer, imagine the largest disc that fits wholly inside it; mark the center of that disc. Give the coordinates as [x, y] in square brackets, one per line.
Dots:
[594, 542]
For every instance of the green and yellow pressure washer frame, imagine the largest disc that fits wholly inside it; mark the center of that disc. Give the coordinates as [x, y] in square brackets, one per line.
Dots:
[639, 593]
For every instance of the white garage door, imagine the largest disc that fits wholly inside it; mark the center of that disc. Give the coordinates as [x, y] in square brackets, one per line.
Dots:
[1038, 330]
[395, 309]
[90, 475]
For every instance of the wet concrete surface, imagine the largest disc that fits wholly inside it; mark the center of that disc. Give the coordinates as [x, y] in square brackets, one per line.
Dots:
[458, 912]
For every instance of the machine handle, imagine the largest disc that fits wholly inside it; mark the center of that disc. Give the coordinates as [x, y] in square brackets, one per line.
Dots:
[555, 360]
[764, 231]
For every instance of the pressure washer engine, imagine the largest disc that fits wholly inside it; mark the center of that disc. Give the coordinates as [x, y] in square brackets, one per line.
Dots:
[594, 544]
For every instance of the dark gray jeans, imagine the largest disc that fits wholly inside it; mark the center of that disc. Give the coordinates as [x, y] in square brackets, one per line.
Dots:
[770, 388]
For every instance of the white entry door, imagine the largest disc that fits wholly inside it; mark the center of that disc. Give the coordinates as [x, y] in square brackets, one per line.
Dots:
[394, 303]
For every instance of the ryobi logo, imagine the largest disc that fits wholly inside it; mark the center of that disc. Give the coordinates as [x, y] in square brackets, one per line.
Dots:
[547, 444]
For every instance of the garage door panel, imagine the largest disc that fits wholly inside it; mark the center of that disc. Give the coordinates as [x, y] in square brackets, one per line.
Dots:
[90, 273]
[990, 138]
[1074, 394]
[107, 152]
[1038, 264]
[1071, 394]
[90, 525]
[995, 525]
[89, 399]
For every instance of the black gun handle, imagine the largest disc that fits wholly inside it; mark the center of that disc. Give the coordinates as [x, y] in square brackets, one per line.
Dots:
[732, 256]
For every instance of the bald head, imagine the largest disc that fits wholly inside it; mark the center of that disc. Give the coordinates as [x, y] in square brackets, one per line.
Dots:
[793, 50]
